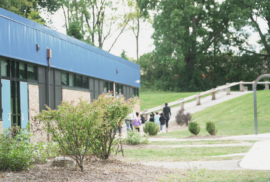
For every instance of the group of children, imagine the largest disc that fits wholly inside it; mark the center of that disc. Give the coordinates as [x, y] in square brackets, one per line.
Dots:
[161, 119]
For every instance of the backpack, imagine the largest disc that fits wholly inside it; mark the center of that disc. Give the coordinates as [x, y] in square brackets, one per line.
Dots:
[143, 120]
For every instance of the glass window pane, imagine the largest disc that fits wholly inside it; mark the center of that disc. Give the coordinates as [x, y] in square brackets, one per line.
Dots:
[85, 82]
[5, 67]
[64, 78]
[78, 81]
[22, 71]
[120, 89]
[31, 72]
[71, 80]
[105, 87]
[13, 69]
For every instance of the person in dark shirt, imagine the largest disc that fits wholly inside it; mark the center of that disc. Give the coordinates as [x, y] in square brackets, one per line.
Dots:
[162, 122]
[152, 117]
[167, 113]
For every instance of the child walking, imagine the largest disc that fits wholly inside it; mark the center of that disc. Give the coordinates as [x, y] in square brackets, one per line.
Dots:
[137, 122]
[162, 122]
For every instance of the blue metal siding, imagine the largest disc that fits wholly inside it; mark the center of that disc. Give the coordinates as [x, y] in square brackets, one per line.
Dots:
[19, 36]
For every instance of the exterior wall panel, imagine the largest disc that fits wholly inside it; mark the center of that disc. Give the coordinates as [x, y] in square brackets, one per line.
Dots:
[19, 36]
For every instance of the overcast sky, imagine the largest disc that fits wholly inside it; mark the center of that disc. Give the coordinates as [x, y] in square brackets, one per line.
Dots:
[127, 40]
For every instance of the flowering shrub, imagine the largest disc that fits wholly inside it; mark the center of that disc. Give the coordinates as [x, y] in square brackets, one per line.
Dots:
[135, 138]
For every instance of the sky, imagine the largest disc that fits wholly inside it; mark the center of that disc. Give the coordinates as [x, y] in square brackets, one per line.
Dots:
[127, 40]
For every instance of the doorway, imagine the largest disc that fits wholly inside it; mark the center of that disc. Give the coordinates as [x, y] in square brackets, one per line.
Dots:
[14, 103]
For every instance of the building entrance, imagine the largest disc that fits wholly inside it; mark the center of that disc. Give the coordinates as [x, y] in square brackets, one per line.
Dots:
[14, 103]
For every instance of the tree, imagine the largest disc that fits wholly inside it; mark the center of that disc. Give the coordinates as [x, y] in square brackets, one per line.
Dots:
[135, 22]
[250, 12]
[31, 8]
[98, 20]
[185, 31]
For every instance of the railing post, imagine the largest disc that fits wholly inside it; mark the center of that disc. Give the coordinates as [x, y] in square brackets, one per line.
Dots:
[228, 90]
[213, 94]
[253, 85]
[241, 86]
[182, 105]
[198, 100]
[266, 85]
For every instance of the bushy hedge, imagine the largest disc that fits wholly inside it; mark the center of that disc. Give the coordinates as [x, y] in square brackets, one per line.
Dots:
[183, 118]
[211, 128]
[194, 128]
[135, 138]
[151, 128]
[17, 153]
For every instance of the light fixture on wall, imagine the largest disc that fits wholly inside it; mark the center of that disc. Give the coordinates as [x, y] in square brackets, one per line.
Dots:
[117, 71]
[37, 47]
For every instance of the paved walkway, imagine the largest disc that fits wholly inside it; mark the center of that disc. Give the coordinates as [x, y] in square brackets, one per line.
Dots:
[206, 102]
[244, 144]
[211, 165]
[258, 157]
[259, 137]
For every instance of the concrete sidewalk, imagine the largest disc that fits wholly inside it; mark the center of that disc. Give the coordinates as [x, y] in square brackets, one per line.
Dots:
[206, 102]
[259, 137]
[258, 157]
[211, 165]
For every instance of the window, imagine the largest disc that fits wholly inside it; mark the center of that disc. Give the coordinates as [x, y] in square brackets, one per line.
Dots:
[71, 80]
[31, 72]
[5, 67]
[78, 81]
[119, 89]
[105, 87]
[22, 71]
[85, 82]
[135, 92]
[13, 69]
[64, 78]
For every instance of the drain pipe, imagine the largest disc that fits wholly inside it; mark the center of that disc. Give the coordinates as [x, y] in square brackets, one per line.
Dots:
[255, 100]
[49, 55]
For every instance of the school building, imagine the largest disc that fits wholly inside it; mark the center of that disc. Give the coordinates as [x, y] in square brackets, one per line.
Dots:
[42, 66]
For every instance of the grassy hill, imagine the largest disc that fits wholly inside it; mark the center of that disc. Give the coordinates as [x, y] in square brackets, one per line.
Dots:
[234, 117]
[153, 99]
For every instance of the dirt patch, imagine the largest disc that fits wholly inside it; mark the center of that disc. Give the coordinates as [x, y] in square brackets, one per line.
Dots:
[96, 170]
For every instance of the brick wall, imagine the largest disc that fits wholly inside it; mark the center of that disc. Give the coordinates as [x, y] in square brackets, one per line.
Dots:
[1, 127]
[75, 95]
[33, 100]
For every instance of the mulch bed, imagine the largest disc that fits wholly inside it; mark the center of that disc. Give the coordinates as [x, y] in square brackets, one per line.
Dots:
[95, 170]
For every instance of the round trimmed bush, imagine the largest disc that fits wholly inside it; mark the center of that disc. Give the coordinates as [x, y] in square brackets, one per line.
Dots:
[194, 128]
[211, 128]
[151, 128]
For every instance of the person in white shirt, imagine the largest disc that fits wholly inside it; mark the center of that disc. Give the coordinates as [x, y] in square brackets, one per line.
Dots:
[129, 120]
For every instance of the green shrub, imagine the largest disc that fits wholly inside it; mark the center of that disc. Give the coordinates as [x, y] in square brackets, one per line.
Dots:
[183, 118]
[135, 138]
[151, 128]
[194, 128]
[211, 128]
[16, 152]
[72, 127]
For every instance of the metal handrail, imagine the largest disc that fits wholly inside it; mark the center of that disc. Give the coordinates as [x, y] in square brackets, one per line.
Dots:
[147, 111]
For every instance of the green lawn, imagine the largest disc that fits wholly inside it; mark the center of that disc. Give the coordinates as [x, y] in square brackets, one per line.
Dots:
[182, 154]
[218, 176]
[153, 99]
[234, 117]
